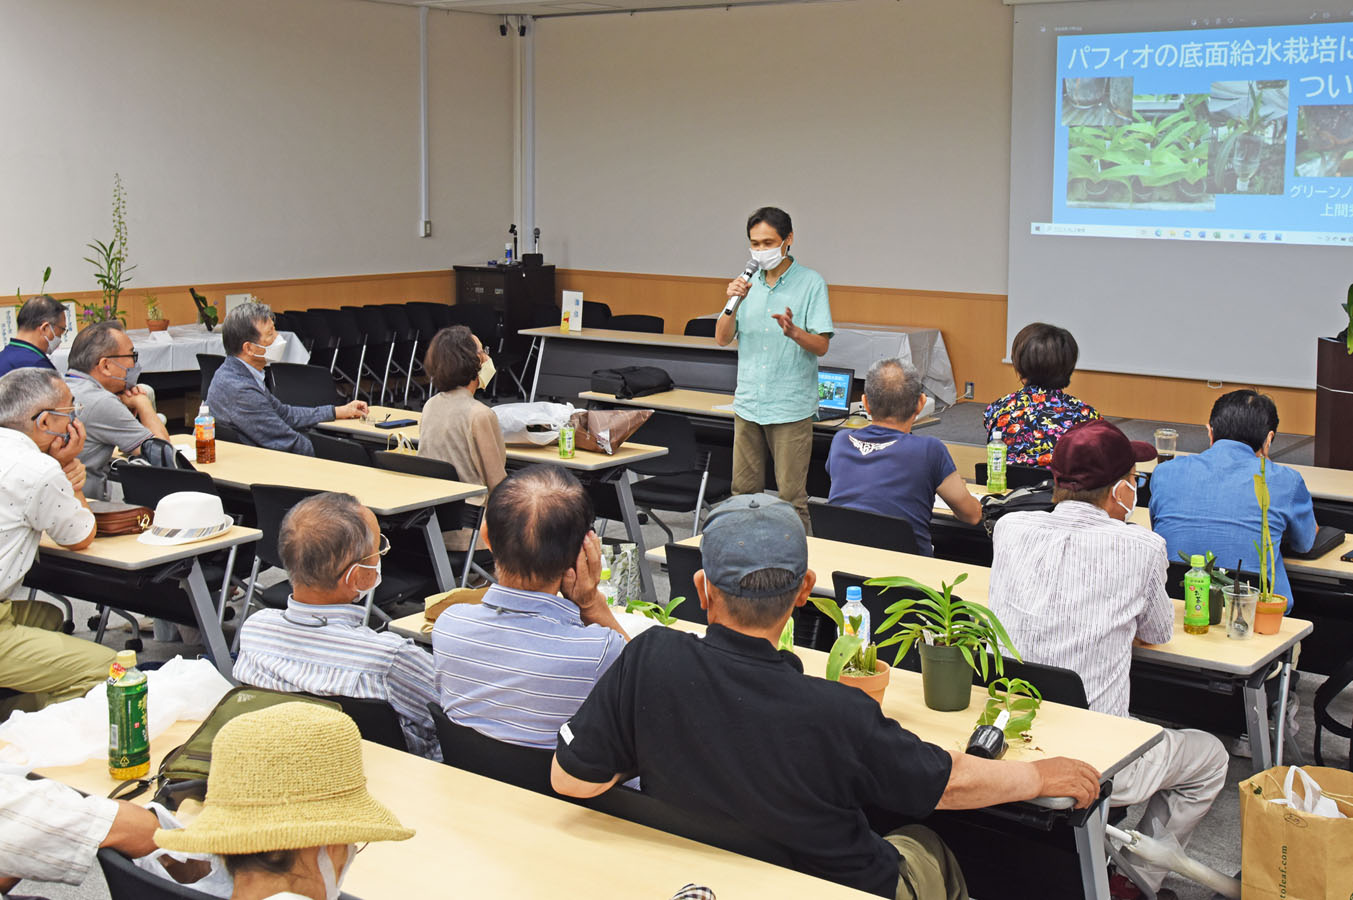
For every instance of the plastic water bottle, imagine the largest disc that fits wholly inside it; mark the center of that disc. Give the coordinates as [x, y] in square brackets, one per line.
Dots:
[854, 607]
[607, 587]
[1197, 592]
[996, 464]
[128, 734]
[204, 429]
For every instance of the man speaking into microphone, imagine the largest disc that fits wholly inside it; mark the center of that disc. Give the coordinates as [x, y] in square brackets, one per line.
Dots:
[778, 312]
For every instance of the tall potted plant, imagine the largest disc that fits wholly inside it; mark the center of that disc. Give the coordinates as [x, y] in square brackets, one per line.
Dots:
[110, 263]
[1268, 615]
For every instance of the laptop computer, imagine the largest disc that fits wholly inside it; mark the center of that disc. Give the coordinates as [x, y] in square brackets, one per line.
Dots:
[833, 392]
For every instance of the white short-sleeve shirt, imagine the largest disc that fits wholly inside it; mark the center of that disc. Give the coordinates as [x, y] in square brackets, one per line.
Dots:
[34, 497]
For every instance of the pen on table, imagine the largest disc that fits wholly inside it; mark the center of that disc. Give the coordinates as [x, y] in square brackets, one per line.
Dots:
[386, 419]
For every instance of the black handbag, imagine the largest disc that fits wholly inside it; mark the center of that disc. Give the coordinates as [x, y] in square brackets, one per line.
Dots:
[629, 382]
[1037, 498]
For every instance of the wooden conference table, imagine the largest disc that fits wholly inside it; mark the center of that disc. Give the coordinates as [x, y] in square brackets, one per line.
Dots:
[385, 493]
[1210, 656]
[583, 461]
[1108, 743]
[477, 837]
[126, 554]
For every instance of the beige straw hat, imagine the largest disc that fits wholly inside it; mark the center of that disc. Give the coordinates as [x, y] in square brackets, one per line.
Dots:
[283, 778]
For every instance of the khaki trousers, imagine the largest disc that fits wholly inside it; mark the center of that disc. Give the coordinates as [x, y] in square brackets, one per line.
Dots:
[790, 445]
[926, 867]
[45, 665]
[1182, 775]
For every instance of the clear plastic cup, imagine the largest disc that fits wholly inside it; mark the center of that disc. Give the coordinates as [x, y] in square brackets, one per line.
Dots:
[1241, 602]
[1167, 442]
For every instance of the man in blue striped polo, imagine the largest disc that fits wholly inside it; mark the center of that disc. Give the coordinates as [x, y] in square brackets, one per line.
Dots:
[516, 666]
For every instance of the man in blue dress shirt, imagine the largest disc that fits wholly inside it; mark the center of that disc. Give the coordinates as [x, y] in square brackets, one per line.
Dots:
[1206, 501]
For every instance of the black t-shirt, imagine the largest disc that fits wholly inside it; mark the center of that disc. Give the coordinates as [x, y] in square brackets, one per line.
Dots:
[730, 724]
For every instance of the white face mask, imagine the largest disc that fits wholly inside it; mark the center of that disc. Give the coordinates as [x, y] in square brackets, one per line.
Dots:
[376, 568]
[487, 371]
[273, 352]
[769, 259]
[334, 881]
[1127, 510]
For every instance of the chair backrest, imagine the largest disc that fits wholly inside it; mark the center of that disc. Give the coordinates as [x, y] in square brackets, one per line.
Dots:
[1056, 684]
[701, 327]
[146, 485]
[343, 325]
[596, 314]
[465, 748]
[420, 317]
[297, 384]
[227, 433]
[682, 564]
[339, 449]
[373, 322]
[1016, 475]
[481, 319]
[271, 504]
[677, 434]
[128, 882]
[857, 526]
[208, 363]
[714, 829]
[635, 322]
[449, 515]
[376, 719]
[1176, 569]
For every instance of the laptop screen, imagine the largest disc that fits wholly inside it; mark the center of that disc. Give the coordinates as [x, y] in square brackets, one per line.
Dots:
[833, 392]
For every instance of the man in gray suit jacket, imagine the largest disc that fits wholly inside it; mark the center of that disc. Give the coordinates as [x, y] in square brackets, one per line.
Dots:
[238, 398]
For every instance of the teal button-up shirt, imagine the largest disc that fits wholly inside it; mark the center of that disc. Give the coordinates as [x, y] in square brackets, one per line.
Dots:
[777, 379]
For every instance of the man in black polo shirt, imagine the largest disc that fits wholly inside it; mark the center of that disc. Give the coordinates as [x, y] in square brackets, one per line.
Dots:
[730, 726]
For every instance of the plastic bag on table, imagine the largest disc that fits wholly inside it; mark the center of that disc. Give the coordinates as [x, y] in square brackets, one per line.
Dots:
[535, 423]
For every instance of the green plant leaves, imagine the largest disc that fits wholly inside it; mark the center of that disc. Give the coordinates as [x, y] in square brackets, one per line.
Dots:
[1017, 697]
[842, 652]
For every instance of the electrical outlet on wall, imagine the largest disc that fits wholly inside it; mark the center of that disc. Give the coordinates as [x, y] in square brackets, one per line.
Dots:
[427, 228]
[967, 390]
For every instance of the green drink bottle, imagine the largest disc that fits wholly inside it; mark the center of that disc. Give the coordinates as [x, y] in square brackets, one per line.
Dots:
[128, 729]
[1197, 591]
[996, 464]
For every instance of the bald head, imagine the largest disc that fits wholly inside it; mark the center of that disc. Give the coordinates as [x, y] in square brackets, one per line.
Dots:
[893, 390]
[322, 536]
[536, 521]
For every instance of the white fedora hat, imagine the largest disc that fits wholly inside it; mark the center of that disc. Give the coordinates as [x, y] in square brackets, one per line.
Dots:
[185, 517]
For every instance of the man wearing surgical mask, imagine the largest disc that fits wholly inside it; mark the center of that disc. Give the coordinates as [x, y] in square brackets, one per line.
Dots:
[783, 323]
[38, 329]
[332, 548]
[1077, 587]
[41, 481]
[119, 413]
[238, 396]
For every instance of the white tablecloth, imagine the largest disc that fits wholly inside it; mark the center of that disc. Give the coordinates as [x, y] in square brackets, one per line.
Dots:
[856, 346]
[179, 353]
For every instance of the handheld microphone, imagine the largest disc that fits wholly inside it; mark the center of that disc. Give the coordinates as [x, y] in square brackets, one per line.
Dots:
[537, 240]
[746, 275]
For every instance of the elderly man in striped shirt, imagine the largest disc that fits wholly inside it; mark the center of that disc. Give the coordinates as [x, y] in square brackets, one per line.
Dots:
[332, 548]
[1075, 588]
[516, 666]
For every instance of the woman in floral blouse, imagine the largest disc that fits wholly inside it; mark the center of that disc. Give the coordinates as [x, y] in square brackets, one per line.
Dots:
[1034, 417]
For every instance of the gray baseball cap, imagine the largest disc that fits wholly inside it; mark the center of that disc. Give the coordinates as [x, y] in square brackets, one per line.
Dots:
[750, 532]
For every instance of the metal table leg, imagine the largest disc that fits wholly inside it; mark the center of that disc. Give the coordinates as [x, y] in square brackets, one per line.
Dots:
[630, 515]
[1256, 721]
[200, 597]
[1093, 853]
[441, 562]
[1283, 683]
[540, 355]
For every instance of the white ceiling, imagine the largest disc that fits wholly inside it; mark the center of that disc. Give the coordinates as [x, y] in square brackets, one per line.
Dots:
[580, 7]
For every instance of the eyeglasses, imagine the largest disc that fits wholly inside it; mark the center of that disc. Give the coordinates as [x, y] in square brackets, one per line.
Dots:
[384, 549]
[135, 356]
[71, 411]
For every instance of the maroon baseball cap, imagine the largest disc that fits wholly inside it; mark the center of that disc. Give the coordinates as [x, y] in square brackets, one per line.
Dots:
[1095, 455]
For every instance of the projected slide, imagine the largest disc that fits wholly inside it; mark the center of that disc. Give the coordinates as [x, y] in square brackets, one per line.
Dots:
[1233, 134]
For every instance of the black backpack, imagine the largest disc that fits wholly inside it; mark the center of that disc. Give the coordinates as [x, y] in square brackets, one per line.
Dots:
[1037, 498]
[631, 381]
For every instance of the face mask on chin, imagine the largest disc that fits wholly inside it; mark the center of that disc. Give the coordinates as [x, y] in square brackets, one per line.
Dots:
[769, 259]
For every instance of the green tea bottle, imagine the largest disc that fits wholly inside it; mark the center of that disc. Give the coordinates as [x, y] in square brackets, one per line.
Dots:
[1197, 591]
[996, 464]
[128, 729]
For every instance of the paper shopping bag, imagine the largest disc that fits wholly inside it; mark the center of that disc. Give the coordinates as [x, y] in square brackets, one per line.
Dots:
[1289, 853]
